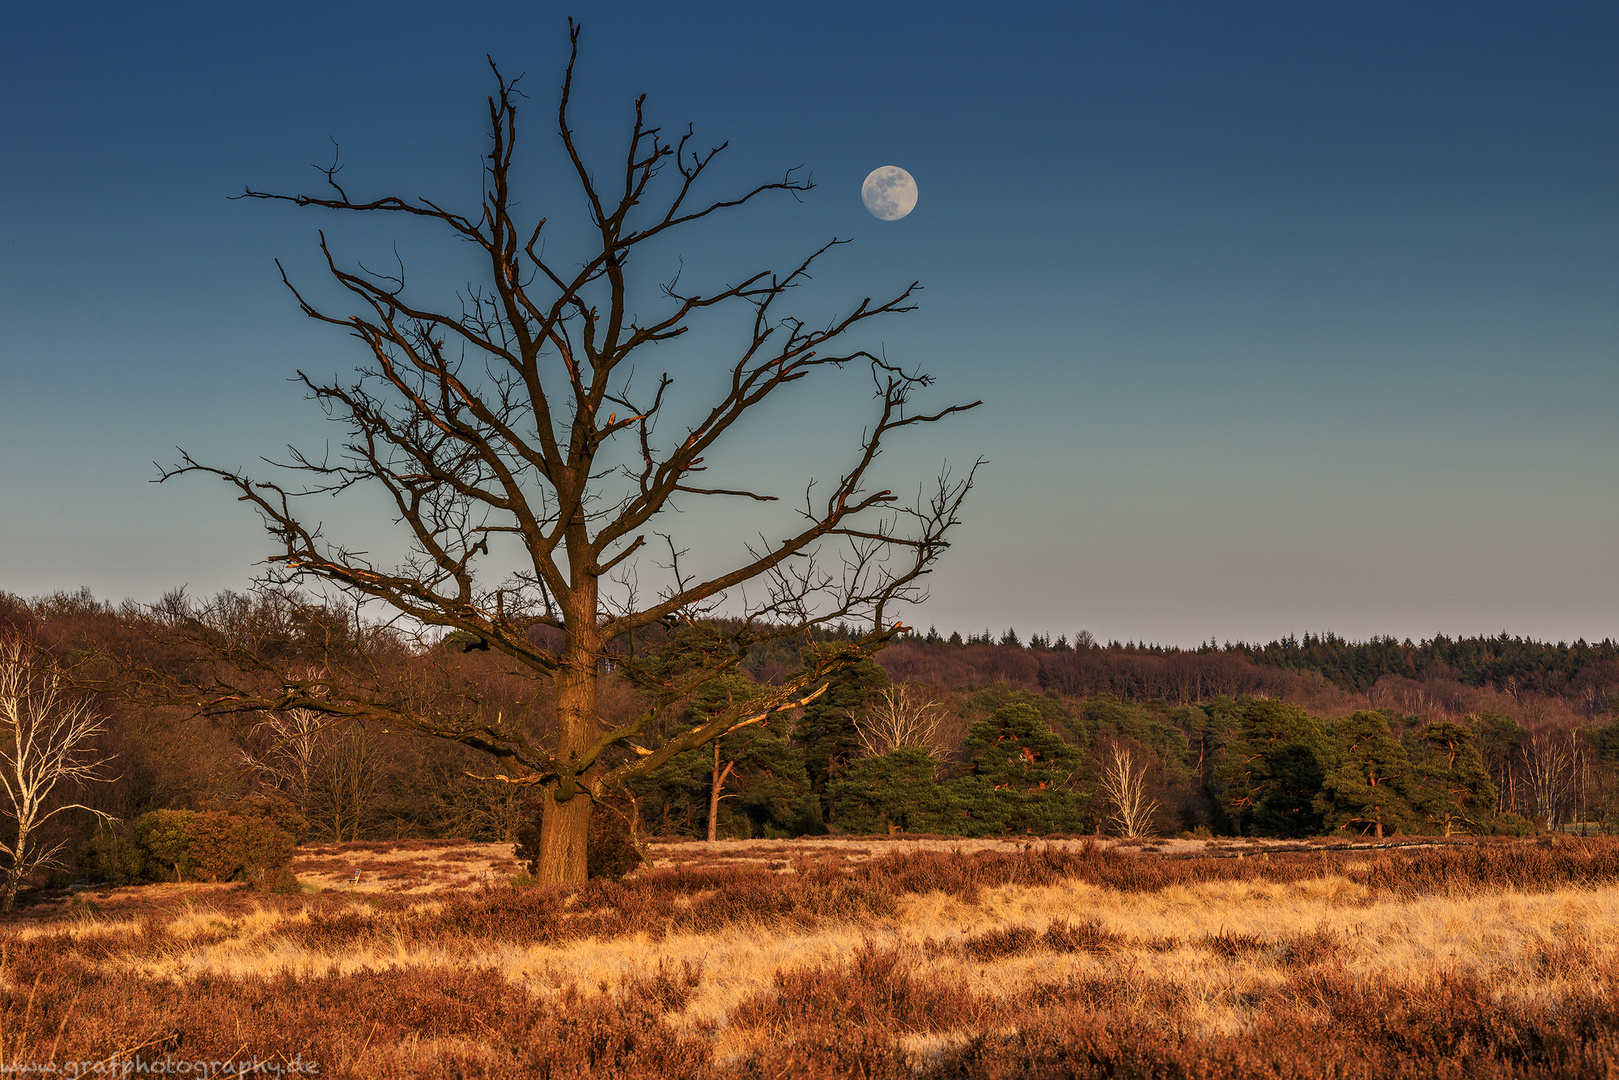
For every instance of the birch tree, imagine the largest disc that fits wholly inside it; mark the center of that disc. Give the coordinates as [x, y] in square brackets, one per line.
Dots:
[47, 739]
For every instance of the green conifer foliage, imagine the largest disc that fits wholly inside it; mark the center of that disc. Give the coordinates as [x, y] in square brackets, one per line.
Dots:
[1368, 787]
[1450, 787]
[826, 733]
[894, 792]
[1605, 740]
[768, 783]
[765, 788]
[1271, 770]
[1020, 772]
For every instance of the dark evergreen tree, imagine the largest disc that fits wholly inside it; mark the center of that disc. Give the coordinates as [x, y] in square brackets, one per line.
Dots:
[1450, 787]
[765, 785]
[826, 733]
[1271, 770]
[894, 792]
[769, 786]
[1368, 786]
[1019, 776]
[1605, 741]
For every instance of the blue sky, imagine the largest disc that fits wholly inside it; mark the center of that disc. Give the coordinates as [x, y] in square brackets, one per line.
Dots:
[1287, 317]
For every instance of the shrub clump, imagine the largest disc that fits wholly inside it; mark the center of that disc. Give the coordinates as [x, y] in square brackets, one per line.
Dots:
[254, 844]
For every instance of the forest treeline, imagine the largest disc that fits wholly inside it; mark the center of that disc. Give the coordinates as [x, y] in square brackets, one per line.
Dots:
[1581, 674]
[964, 736]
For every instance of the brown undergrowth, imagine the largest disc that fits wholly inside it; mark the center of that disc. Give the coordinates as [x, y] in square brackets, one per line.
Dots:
[1489, 959]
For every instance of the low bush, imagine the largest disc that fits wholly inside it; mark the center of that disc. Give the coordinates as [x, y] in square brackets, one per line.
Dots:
[213, 845]
[164, 837]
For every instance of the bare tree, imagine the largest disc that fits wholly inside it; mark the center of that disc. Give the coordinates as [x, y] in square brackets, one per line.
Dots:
[294, 756]
[1549, 760]
[898, 718]
[1124, 783]
[516, 426]
[46, 738]
[345, 784]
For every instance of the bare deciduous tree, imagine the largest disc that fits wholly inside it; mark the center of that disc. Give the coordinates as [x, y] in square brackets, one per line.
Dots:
[898, 718]
[46, 738]
[293, 758]
[515, 432]
[1549, 761]
[329, 768]
[346, 783]
[1124, 783]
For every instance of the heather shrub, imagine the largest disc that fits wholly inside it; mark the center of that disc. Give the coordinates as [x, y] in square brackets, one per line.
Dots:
[876, 987]
[1510, 824]
[611, 850]
[278, 811]
[224, 845]
[214, 839]
[266, 854]
[111, 854]
[527, 847]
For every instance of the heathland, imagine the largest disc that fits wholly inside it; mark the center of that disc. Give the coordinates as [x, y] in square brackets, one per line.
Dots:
[875, 958]
[966, 858]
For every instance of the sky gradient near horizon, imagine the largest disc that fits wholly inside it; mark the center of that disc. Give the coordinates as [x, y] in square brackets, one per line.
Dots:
[1286, 317]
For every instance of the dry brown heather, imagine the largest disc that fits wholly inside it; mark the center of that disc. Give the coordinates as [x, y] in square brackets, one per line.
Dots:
[872, 959]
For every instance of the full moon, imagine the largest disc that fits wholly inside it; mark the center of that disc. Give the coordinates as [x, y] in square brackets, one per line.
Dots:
[889, 193]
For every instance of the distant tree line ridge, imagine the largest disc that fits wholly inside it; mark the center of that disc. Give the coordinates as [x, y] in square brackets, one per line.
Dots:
[1583, 672]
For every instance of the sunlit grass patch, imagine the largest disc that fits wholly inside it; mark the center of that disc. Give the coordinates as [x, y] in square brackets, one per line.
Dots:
[997, 961]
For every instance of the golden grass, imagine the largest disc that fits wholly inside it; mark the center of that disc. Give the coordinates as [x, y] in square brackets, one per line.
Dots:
[1389, 941]
[1210, 959]
[414, 869]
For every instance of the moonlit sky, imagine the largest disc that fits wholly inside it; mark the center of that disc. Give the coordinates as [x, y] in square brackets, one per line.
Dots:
[1287, 317]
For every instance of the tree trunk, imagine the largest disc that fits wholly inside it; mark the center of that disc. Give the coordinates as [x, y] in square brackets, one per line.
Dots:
[714, 794]
[564, 834]
[565, 821]
[19, 866]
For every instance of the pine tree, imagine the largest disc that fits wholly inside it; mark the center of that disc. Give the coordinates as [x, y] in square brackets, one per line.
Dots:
[1450, 786]
[826, 734]
[1271, 770]
[1019, 776]
[894, 792]
[1370, 782]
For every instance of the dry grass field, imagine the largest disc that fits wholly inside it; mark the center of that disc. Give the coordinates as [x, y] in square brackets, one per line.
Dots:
[881, 958]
